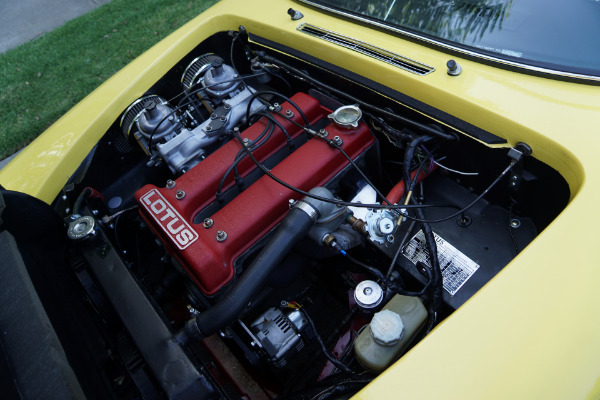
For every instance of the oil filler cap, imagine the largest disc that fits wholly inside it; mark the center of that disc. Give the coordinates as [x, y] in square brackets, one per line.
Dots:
[346, 117]
[387, 328]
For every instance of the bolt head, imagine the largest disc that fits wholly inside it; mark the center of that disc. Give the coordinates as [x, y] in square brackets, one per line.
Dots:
[221, 236]
[208, 223]
[170, 184]
[180, 194]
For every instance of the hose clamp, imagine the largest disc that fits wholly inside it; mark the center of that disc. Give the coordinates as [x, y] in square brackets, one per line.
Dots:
[308, 209]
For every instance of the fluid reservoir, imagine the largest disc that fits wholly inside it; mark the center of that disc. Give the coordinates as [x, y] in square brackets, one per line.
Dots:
[391, 330]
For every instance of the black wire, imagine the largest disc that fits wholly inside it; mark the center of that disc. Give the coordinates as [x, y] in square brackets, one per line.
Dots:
[257, 95]
[341, 390]
[329, 356]
[366, 205]
[360, 171]
[462, 210]
[181, 106]
[334, 144]
[437, 288]
[259, 141]
[278, 75]
[235, 37]
[412, 223]
[397, 254]
[369, 268]
[256, 143]
[414, 124]
[272, 119]
[325, 199]
[385, 280]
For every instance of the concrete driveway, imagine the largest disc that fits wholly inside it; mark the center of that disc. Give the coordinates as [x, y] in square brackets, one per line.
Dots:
[24, 20]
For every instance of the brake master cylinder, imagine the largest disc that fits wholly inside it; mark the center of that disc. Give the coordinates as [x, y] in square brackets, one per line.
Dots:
[390, 332]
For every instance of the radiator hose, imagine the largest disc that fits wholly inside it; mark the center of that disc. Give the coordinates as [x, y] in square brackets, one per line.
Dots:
[290, 231]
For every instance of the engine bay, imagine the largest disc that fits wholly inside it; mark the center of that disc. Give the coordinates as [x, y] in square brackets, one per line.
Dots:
[259, 225]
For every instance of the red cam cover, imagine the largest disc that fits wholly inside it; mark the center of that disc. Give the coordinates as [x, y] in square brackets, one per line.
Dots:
[256, 210]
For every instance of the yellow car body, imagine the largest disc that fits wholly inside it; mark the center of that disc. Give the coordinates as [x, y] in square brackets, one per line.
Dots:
[532, 332]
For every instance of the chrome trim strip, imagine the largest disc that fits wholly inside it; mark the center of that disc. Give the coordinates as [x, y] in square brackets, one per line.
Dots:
[367, 49]
[455, 48]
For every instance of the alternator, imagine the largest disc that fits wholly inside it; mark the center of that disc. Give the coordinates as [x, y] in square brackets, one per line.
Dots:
[279, 334]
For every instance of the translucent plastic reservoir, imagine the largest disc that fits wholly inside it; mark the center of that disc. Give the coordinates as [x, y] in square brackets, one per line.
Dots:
[390, 332]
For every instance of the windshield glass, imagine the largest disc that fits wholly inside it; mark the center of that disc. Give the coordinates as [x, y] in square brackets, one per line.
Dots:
[560, 36]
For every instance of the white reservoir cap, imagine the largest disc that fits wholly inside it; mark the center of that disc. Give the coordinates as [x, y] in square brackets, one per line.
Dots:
[387, 328]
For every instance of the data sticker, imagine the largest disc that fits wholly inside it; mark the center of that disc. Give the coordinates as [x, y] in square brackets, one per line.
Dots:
[456, 267]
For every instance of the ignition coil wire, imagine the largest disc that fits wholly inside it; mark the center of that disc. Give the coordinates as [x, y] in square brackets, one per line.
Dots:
[271, 118]
[259, 141]
[255, 144]
[258, 94]
[350, 160]
[375, 205]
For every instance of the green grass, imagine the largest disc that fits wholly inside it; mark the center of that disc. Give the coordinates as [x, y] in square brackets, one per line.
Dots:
[43, 79]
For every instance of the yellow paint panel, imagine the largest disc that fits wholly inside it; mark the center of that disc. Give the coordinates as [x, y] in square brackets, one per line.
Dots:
[533, 332]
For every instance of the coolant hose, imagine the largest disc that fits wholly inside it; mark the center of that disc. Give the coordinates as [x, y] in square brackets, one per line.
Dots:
[291, 230]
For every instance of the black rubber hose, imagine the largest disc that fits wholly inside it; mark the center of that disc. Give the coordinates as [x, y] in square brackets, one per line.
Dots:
[292, 228]
[80, 199]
